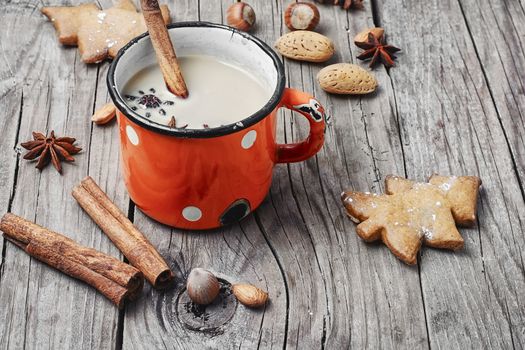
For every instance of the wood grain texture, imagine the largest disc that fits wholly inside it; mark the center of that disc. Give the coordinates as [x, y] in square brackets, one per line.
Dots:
[454, 105]
[45, 309]
[496, 30]
[12, 100]
[449, 125]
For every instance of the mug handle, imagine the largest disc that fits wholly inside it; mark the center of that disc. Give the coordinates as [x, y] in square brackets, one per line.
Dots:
[310, 108]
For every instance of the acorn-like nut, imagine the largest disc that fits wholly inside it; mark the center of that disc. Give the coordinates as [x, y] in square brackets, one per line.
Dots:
[362, 37]
[249, 295]
[202, 286]
[241, 16]
[301, 16]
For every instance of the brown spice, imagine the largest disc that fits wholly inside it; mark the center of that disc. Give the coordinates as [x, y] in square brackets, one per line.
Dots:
[164, 48]
[113, 278]
[130, 241]
[51, 148]
[376, 49]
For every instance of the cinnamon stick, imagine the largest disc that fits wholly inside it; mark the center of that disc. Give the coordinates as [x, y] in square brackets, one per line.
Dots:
[131, 242]
[113, 278]
[163, 46]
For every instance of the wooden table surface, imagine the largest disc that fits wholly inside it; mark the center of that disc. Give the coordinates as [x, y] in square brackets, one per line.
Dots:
[454, 104]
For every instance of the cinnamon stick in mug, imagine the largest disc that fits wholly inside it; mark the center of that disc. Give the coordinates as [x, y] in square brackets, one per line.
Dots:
[131, 242]
[113, 278]
[163, 48]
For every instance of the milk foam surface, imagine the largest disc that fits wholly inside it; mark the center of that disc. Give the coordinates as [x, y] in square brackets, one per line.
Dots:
[219, 94]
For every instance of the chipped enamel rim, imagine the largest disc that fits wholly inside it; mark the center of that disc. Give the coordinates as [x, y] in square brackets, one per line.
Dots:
[199, 133]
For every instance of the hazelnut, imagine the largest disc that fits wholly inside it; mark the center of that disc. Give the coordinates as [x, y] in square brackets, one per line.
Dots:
[249, 295]
[301, 16]
[202, 286]
[362, 37]
[241, 16]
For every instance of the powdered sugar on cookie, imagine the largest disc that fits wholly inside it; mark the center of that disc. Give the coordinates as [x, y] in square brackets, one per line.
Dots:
[99, 34]
[411, 213]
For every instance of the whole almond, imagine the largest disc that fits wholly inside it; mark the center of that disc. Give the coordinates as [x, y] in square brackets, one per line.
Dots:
[362, 37]
[304, 45]
[346, 78]
[104, 114]
[249, 295]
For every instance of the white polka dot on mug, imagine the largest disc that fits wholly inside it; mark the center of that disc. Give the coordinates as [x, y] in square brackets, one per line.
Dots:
[191, 213]
[132, 135]
[249, 139]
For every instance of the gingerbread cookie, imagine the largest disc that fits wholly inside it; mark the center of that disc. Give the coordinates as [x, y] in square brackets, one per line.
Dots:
[98, 33]
[411, 213]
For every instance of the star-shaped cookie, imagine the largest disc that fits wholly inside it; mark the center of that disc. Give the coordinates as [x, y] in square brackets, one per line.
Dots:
[411, 213]
[98, 33]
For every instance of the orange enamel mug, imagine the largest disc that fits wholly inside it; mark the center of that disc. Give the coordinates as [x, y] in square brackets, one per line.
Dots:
[206, 178]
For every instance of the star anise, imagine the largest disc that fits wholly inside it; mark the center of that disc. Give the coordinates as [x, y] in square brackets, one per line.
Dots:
[149, 101]
[345, 4]
[50, 148]
[377, 50]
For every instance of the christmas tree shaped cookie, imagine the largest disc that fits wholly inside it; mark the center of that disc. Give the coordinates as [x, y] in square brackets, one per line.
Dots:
[98, 33]
[412, 213]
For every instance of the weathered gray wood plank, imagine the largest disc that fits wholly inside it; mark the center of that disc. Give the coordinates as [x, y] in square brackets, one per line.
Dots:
[440, 110]
[497, 31]
[449, 124]
[44, 308]
[237, 253]
[361, 296]
[12, 99]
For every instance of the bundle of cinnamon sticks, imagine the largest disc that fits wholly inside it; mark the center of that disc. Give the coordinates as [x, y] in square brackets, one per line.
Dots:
[113, 278]
[116, 280]
[131, 242]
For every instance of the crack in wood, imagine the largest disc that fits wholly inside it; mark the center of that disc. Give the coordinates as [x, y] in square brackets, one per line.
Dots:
[283, 275]
[15, 179]
[120, 329]
[308, 231]
[509, 320]
[491, 93]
